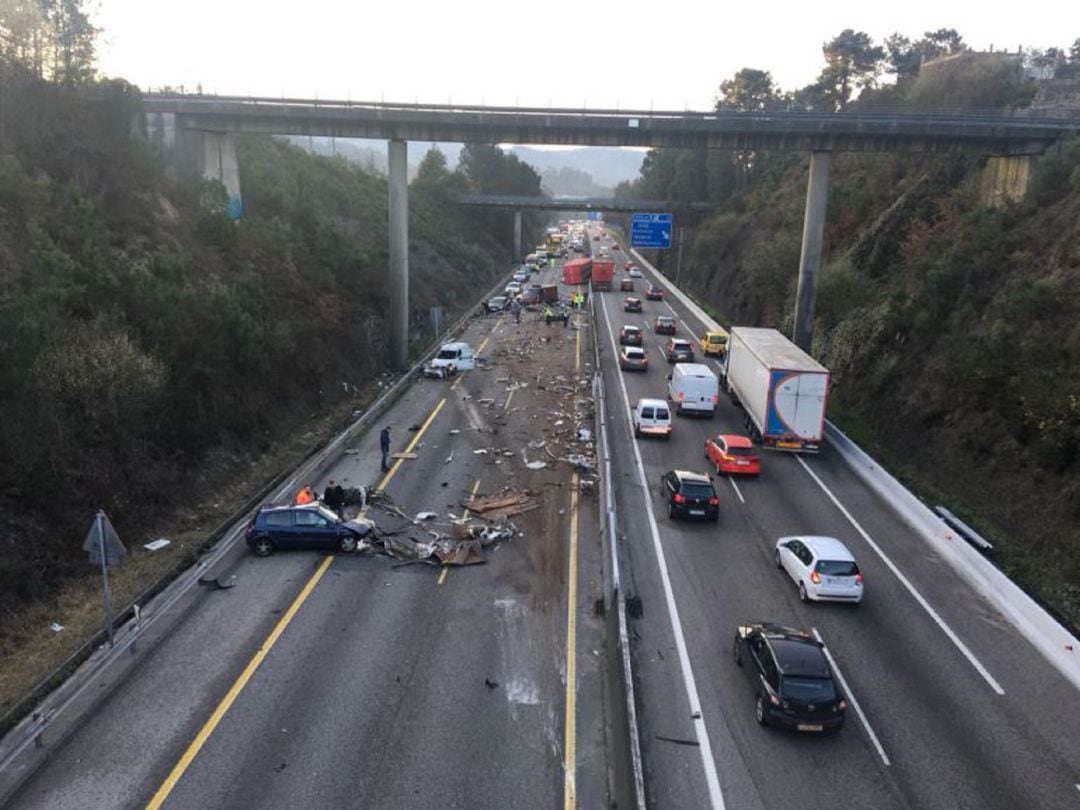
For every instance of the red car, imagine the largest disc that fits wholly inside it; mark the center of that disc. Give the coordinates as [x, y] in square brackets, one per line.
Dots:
[665, 325]
[654, 293]
[626, 285]
[735, 455]
[632, 304]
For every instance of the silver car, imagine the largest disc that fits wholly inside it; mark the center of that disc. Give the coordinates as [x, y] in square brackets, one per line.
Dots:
[822, 568]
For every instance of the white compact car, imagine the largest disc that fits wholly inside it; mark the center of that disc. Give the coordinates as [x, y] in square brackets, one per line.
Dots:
[822, 568]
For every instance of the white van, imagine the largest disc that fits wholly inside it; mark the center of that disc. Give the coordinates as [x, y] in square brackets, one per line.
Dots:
[693, 388]
[459, 355]
[652, 417]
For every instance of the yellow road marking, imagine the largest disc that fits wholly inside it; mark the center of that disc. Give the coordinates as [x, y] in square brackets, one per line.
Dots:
[423, 428]
[472, 497]
[234, 691]
[569, 746]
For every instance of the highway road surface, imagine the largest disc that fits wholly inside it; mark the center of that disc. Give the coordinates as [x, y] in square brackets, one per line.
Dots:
[353, 681]
[957, 709]
[356, 681]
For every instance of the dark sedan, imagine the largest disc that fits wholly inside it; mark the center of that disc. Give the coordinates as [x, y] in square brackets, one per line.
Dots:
[689, 494]
[792, 677]
[311, 526]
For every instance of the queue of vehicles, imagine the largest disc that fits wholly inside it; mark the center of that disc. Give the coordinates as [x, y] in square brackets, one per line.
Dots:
[782, 392]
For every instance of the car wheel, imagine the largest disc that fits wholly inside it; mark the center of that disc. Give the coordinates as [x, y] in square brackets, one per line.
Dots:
[736, 650]
[671, 510]
[718, 470]
[776, 557]
[347, 544]
[263, 547]
[803, 595]
[759, 711]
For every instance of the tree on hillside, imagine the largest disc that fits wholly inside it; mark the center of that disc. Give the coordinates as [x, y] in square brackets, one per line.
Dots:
[433, 172]
[749, 89]
[851, 61]
[74, 38]
[1071, 68]
[53, 39]
[904, 57]
[488, 170]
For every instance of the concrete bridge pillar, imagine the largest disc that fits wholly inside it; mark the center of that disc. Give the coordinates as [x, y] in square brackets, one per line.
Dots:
[398, 283]
[517, 235]
[1004, 179]
[193, 152]
[817, 196]
[219, 163]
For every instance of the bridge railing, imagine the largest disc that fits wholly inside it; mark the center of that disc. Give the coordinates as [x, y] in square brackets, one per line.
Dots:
[1055, 116]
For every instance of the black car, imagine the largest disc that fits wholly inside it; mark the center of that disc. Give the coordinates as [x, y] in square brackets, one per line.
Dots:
[794, 682]
[303, 527]
[689, 494]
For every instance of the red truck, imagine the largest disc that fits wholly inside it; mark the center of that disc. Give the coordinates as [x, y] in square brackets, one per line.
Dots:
[603, 272]
[577, 271]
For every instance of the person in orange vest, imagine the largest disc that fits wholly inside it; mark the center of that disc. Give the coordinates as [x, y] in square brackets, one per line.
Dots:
[305, 495]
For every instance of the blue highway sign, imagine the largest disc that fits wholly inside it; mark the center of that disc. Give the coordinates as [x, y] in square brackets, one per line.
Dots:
[651, 230]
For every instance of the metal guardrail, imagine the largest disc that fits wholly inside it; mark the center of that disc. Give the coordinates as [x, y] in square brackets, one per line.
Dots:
[853, 112]
[619, 597]
[965, 531]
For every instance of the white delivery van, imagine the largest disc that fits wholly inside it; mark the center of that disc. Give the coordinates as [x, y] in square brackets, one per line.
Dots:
[652, 417]
[458, 354]
[693, 388]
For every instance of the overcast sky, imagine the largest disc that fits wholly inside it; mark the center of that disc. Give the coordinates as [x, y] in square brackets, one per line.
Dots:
[600, 53]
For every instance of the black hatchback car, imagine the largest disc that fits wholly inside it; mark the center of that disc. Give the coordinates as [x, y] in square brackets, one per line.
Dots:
[689, 494]
[311, 526]
[794, 682]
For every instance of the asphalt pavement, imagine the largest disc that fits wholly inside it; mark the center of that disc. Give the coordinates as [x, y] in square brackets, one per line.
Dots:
[960, 710]
[357, 681]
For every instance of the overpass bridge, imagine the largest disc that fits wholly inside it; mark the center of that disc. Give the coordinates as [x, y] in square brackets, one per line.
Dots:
[198, 132]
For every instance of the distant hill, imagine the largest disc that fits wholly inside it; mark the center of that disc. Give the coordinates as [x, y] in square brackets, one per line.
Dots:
[588, 171]
[608, 166]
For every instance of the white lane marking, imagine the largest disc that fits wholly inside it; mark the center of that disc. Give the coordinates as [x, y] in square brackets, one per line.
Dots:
[662, 355]
[906, 583]
[736, 488]
[679, 318]
[851, 697]
[716, 798]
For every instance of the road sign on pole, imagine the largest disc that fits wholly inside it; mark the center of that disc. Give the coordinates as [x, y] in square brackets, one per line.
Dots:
[651, 230]
[104, 548]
